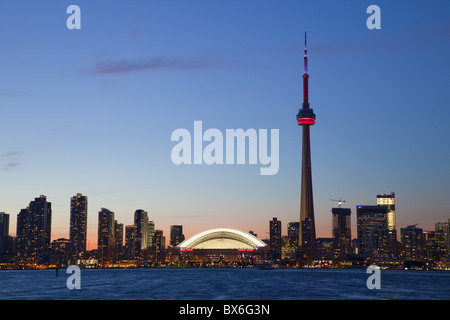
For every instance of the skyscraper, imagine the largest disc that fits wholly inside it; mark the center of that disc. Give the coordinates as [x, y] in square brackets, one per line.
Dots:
[372, 231]
[159, 246]
[306, 118]
[151, 232]
[140, 232]
[34, 230]
[4, 232]
[118, 235]
[78, 227]
[293, 229]
[413, 242]
[40, 224]
[275, 238]
[22, 228]
[341, 232]
[129, 242]
[388, 200]
[106, 238]
[176, 235]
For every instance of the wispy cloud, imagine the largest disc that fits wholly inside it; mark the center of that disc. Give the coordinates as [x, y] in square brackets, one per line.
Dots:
[10, 160]
[12, 165]
[153, 64]
[10, 154]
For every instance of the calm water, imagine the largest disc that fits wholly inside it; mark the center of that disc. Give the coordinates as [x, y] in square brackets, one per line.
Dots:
[223, 284]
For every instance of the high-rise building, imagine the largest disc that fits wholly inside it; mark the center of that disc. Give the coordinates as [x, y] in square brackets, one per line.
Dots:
[176, 235]
[373, 232]
[435, 245]
[34, 230]
[293, 229]
[22, 232]
[288, 248]
[306, 118]
[413, 242]
[341, 232]
[129, 242]
[140, 232]
[151, 232]
[106, 237]
[118, 234]
[275, 238]
[40, 223]
[388, 200]
[159, 246]
[78, 227]
[443, 231]
[4, 233]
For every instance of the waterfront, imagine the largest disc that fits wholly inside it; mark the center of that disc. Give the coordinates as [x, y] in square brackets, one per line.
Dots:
[223, 284]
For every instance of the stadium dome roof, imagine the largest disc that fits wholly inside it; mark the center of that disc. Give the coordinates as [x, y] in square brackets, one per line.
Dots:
[222, 238]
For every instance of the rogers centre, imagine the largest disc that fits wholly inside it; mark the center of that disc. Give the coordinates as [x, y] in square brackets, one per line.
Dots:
[222, 244]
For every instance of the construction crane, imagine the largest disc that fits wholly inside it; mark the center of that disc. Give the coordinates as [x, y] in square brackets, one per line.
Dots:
[340, 201]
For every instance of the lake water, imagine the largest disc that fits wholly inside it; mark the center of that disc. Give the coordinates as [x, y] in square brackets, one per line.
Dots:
[223, 284]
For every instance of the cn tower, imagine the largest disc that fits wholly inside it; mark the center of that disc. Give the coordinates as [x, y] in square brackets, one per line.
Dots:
[307, 232]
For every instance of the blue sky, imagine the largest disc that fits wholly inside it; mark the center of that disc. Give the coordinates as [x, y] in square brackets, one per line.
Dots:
[92, 110]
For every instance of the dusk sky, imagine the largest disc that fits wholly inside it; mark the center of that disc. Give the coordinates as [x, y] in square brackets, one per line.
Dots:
[92, 111]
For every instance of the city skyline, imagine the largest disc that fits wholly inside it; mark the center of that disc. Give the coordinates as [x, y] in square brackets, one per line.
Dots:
[387, 206]
[111, 93]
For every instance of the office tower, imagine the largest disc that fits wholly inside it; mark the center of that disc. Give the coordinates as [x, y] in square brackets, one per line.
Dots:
[435, 245]
[413, 242]
[159, 246]
[447, 243]
[436, 242]
[129, 242]
[341, 232]
[388, 200]
[4, 233]
[293, 229]
[118, 234]
[176, 235]
[78, 227]
[40, 223]
[306, 118]
[443, 237]
[443, 230]
[22, 228]
[373, 232]
[106, 238]
[140, 232]
[275, 238]
[34, 230]
[288, 248]
[151, 232]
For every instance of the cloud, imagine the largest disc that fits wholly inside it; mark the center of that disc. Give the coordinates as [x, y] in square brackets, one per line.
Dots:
[10, 154]
[153, 64]
[9, 166]
[11, 160]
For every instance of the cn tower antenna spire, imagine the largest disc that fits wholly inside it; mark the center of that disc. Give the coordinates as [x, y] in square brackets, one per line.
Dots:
[306, 58]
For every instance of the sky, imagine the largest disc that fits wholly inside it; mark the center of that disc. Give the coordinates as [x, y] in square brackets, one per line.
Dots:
[92, 110]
